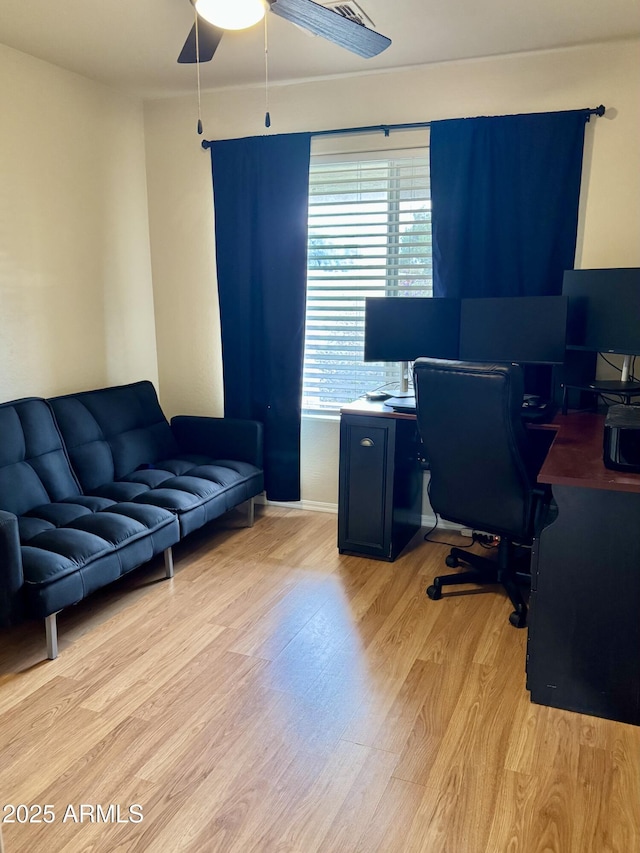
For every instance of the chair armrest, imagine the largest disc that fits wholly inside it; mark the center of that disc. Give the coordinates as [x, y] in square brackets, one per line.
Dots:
[222, 438]
[544, 508]
[11, 575]
[538, 443]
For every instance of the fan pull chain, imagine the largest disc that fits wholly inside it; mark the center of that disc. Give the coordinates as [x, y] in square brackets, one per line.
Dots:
[198, 74]
[267, 117]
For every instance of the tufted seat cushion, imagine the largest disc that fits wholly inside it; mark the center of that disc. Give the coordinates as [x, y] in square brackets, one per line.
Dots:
[58, 549]
[122, 448]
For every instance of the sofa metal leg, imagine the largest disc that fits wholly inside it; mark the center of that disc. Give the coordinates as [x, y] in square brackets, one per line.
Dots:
[168, 562]
[51, 629]
[251, 511]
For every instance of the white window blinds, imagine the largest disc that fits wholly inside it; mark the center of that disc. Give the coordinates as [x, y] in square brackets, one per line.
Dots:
[369, 235]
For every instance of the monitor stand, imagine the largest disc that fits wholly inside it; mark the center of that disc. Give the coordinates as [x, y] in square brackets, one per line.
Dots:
[404, 381]
[624, 385]
[626, 390]
[615, 386]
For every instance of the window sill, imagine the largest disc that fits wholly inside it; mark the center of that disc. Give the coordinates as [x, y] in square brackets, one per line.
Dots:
[321, 416]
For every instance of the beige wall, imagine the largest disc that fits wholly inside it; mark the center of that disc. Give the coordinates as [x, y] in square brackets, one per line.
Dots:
[76, 297]
[180, 192]
[77, 307]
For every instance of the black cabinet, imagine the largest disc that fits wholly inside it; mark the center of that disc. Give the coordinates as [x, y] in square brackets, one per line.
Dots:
[380, 489]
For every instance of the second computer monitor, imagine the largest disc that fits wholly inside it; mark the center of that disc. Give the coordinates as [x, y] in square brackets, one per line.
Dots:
[521, 329]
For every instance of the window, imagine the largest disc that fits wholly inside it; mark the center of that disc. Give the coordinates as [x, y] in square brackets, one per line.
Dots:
[369, 235]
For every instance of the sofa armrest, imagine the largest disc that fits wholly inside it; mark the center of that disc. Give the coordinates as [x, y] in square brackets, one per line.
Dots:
[222, 438]
[11, 576]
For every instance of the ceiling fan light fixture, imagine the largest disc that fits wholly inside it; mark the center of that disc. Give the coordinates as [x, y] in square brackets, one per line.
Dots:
[231, 14]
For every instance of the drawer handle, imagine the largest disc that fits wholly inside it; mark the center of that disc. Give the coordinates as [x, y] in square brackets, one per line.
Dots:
[366, 442]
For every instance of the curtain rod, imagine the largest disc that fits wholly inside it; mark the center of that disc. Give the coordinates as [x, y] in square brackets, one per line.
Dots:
[387, 128]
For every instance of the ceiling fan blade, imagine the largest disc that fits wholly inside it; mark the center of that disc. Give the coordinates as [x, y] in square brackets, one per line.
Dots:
[208, 38]
[332, 26]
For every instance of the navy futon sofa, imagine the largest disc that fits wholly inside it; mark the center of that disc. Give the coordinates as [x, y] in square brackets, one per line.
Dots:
[94, 484]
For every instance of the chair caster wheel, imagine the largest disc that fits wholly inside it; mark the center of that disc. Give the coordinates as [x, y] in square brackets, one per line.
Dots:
[434, 592]
[451, 561]
[517, 619]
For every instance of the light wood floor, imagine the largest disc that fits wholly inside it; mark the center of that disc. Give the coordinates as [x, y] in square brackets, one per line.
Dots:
[275, 696]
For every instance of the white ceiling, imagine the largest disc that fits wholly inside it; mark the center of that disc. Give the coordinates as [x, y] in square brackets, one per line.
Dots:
[132, 45]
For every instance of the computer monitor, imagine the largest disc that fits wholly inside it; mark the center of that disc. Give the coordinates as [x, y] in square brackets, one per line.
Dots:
[520, 329]
[604, 316]
[604, 310]
[403, 328]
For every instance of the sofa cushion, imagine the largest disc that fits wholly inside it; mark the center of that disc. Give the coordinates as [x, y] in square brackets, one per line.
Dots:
[52, 515]
[34, 468]
[111, 432]
[58, 514]
[58, 588]
[203, 493]
[53, 581]
[57, 551]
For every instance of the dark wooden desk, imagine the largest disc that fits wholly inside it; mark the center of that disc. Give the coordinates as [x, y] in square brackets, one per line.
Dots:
[584, 622]
[575, 456]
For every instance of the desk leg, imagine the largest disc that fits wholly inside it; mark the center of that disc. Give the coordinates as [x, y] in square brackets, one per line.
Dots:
[584, 630]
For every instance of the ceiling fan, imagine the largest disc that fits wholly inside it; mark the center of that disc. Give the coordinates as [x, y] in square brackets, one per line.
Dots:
[333, 25]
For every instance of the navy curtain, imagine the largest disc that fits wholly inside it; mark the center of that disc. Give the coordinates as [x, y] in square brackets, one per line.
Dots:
[505, 194]
[261, 188]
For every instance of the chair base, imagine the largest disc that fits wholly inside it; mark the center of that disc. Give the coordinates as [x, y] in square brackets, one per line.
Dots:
[485, 571]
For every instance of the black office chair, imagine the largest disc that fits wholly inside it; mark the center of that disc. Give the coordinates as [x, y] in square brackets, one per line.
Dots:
[483, 466]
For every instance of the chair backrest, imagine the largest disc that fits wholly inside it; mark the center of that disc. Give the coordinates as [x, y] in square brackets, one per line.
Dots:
[34, 468]
[469, 418]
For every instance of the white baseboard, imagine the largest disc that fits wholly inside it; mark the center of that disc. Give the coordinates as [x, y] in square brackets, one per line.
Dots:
[313, 506]
[427, 521]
